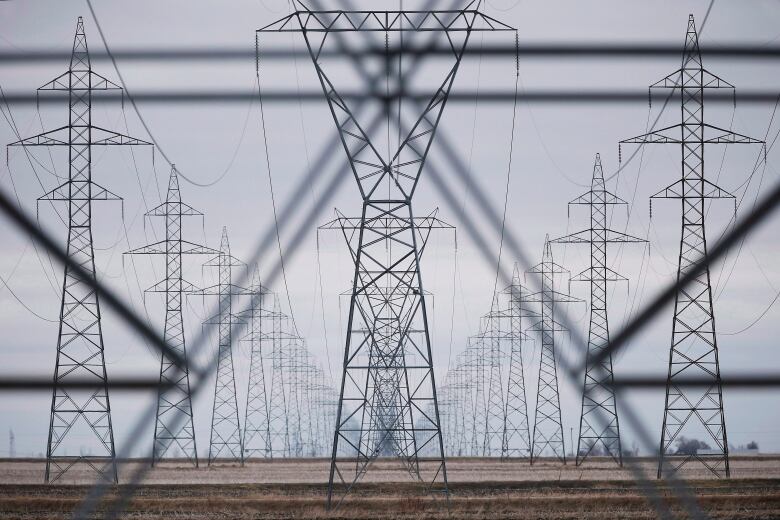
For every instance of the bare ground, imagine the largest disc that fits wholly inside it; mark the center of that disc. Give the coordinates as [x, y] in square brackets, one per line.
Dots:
[480, 488]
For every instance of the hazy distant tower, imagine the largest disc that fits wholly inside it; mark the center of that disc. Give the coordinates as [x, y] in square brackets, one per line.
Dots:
[599, 424]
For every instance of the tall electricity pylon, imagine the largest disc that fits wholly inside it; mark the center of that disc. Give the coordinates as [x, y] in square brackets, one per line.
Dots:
[257, 436]
[80, 414]
[448, 412]
[278, 416]
[388, 378]
[454, 407]
[173, 397]
[225, 424]
[599, 424]
[516, 439]
[477, 396]
[292, 368]
[391, 401]
[689, 410]
[548, 425]
[493, 337]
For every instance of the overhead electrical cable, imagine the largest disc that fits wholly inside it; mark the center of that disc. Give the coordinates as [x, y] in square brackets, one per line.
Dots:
[143, 121]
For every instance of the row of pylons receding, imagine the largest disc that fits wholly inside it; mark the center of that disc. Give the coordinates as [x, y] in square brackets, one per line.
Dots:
[387, 403]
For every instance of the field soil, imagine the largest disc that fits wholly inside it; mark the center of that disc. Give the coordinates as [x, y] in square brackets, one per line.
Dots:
[479, 488]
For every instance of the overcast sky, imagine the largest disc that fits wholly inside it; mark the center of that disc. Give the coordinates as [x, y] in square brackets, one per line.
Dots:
[554, 147]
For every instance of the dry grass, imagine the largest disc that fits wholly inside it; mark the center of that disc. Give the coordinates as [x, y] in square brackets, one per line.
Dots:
[479, 489]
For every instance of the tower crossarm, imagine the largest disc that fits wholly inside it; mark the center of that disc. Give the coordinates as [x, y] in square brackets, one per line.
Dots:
[386, 21]
[387, 226]
[228, 260]
[681, 79]
[97, 137]
[234, 318]
[214, 290]
[173, 208]
[163, 286]
[551, 296]
[391, 221]
[74, 80]
[591, 274]
[682, 188]
[540, 327]
[710, 135]
[161, 248]
[587, 235]
[547, 267]
[83, 191]
[600, 197]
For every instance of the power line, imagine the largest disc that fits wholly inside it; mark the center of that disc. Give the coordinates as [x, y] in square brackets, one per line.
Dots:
[138, 112]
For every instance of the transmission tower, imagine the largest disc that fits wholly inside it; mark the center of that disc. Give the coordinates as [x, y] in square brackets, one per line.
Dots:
[278, 416]
[516, 439]
[452, 403]
[599, 425]
[548, 425]
[689, 410]
[477, 405]
[257, 437]
[388, 380]
[494, 338]
[225, 424]
[388, 377]
[292, 368]
[80, 414]
[11, 443]
[463, 388]
[173, 397]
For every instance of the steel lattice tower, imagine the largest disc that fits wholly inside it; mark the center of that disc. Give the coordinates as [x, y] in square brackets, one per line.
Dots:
[278, 417]
[173, 396]
[292, 368]
[225, 423]
[599, 424]
[516, 439]
[694, 346]
[493, 338]
[476, 365]
[80, 348]
[392, 346]
[454, 409]
[257, 435]
[388, 378]
[548, 425]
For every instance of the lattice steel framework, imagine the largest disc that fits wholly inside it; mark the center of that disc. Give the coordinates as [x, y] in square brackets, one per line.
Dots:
[257, 434]
[477, 397]
[694, 345]
[548, 425]
[80, 348]
[397, 416]
[381, 356]
[599, 424]
[174, 396]
[225, 424]
[494, 336]
[457, 414]
[516, 438]
[278, 416]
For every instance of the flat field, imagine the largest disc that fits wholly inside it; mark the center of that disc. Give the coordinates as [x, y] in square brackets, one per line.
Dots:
[479, 488]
